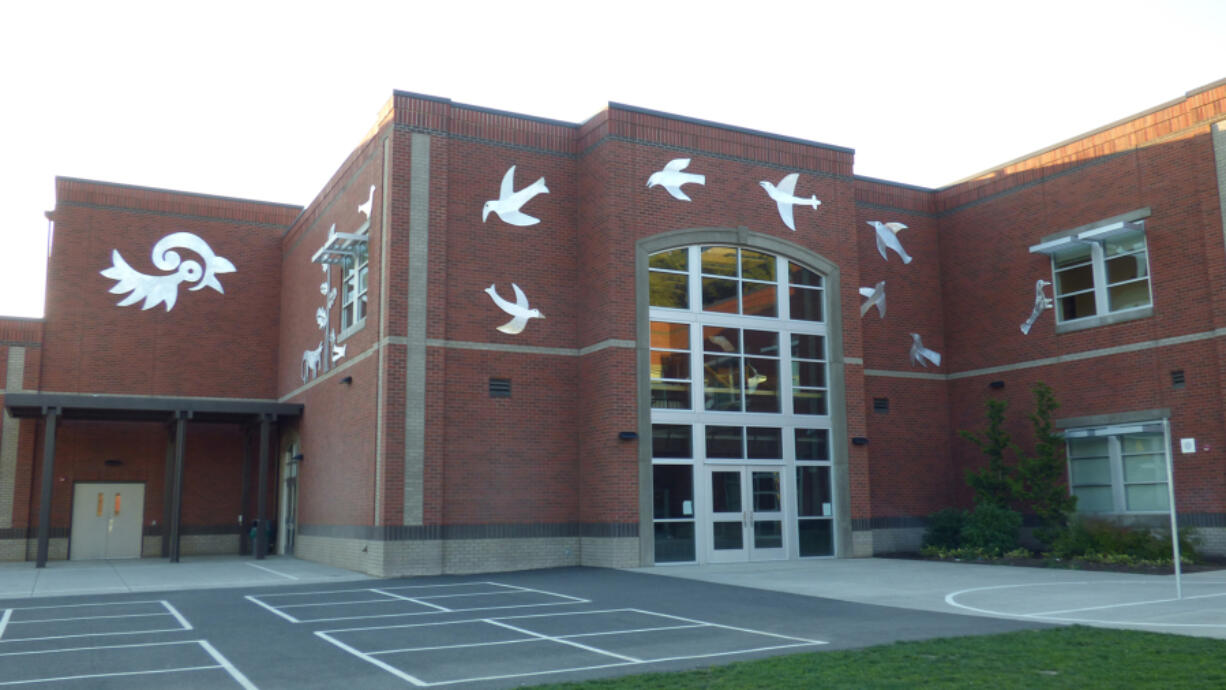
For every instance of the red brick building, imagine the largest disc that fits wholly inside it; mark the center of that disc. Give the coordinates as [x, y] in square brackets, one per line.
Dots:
[494, 341]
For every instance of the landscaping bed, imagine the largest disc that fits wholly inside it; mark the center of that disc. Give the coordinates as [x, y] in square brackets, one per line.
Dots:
[1206, 564]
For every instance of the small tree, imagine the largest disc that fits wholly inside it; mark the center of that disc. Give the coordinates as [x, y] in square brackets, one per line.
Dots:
[1040, 476]
[996, 484]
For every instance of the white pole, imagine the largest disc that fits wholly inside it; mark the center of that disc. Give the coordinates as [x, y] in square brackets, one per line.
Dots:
[1170, 489]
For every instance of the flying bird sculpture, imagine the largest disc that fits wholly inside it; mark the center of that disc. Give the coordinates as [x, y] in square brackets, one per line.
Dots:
[671, 178]
[364, 208]
[783, 195]
[876, 298]
[509, 201]
[517, 309]
[919, 353]
[165, 288]
[887, 236]
[1041, 302]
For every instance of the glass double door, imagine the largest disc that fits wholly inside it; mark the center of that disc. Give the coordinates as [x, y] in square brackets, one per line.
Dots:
[747, 514]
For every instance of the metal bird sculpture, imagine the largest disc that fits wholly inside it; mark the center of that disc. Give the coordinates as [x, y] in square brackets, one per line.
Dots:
[671, 178]
[364, 208]
[876, 298]
[518, 309]
[509, 201]
[919, 353]
[783, 196]
[164, 289]
[887, 236]
[1041, 302]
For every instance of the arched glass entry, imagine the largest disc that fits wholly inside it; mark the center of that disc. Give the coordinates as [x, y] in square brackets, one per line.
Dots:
[741, 408]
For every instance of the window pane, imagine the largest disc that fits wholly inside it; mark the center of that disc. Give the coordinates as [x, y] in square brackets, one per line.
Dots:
[757, 266]
[1129, 295]
[1125, 242]
[725, 442]
[1072, 256]
[760, 299]
[674, 336]
[1086, 447]
[808, 401]
[813, 492]
[812, 444]
[670, 395]
[1147, 497]
[669, 290]
[719, 261]
[1077, 307]
[719, 339]
[673, 489]
[809, 374]
[719, 295]
[722, 383]
[670, 365]
[764, 443]
[675, 260]
[806, 303]
[808, 346]
[1091, 471]
[816, 537]
[799, 275]
[1094, 499]
[1145, 468]
[672, 441]
[726, 493]
[1141, 443]
[674, 542]
[1075, 279]
[727, 536]
[762, 343]
[767, 534]
[766, 492]
[761, 385]
[1127, 267]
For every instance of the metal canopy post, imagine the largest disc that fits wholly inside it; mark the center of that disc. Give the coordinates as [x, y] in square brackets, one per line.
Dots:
[261, 531]
[176, 489]
[244, 539]
[168, 474]
[44, 506]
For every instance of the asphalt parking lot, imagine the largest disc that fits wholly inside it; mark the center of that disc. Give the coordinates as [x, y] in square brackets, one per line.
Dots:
[489, 631]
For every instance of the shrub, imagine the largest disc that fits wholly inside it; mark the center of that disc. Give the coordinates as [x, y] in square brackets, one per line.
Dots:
[1101, 540]
[945, 529]
[992, 529]
[995, 483]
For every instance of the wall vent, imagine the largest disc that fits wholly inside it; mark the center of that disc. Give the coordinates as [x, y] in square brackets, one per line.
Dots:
[500, 388]
[1177, 379]
[881, 405]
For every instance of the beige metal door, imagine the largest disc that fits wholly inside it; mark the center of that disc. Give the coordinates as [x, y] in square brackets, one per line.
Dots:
[106, 521]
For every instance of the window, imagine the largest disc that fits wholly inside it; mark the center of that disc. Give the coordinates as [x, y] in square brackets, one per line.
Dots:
[1100, 271]
[353, 288]
[1119, 469]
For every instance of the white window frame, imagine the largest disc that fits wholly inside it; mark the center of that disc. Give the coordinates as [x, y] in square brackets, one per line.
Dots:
[351, 287]
[1093, 237]
[1115, 456]
[698, 417]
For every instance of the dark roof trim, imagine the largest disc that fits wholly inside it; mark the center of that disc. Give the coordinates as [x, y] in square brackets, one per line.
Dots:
[730, 128]
[176, 192]
[137, 408]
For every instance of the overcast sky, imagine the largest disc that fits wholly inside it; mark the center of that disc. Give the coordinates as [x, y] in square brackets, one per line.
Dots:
[264, 100]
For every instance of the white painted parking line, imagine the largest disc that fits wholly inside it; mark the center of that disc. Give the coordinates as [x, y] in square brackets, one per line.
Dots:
[421, 661]
[10, 623]
[438, 599]
[270, 570]
[96, 660]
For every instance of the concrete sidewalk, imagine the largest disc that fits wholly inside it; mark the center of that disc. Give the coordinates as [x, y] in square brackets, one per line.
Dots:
[18, 580]
[1142, 602]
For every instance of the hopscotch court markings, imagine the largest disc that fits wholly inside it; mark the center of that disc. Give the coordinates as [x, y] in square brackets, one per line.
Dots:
[76, 664]
[409, 600]
[589, 638]
[31, 623]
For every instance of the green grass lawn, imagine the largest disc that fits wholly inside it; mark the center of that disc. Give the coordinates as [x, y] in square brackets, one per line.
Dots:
[1074, 657]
